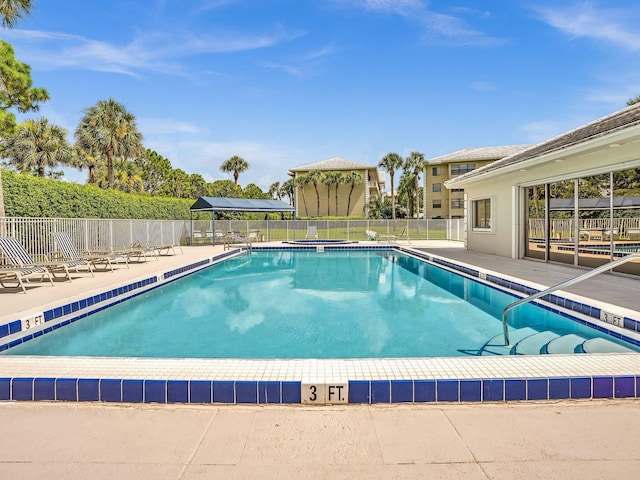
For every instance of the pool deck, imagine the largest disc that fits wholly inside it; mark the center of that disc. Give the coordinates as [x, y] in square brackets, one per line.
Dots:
[579, 440]
[567, 439]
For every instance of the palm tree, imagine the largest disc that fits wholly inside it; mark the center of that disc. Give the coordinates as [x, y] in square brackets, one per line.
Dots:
[235, 164]
[329, 179]
[275, 190]
[340, 179]
[13, 10]
[288, 189]
[633, 101]
[107, 129]
[301, 182]
[406, 189]
[38, 144]
[315, 176]
[354, 178]
[391, 162]
[415, 162]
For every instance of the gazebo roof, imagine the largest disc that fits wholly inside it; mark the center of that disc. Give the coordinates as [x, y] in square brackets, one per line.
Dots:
[240, 205]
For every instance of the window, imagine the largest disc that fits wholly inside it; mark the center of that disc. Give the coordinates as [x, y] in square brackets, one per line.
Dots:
[457, 203]
[436, 171]
[436, 187]
[462, 168]
[457, 190]
[482, 213]
[436, 203]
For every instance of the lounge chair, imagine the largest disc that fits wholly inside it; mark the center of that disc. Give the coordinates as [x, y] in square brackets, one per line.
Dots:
[372, 235]
[69, 252]
[312, 232]
[139, 252]
[254, 236]
[19, 258]
[22, 275]
[161, 249]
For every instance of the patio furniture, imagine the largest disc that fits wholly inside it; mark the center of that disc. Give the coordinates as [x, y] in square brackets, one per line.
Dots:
[70, 252]
[22, 275]
[19, 258]
[254, 236]
[312, 232]
[372, 235]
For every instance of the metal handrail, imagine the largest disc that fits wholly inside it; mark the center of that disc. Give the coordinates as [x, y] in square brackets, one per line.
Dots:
[230, 238]
[566, 283]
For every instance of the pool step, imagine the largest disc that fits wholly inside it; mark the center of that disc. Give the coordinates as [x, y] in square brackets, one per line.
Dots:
[570, 343]
[529, 341]
[535, 344]
[495, 346]
[602, 345]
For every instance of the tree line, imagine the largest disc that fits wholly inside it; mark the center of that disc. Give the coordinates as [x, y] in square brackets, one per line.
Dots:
[107, 143]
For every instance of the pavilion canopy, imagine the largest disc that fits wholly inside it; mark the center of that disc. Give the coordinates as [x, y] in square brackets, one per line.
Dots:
[218, 204]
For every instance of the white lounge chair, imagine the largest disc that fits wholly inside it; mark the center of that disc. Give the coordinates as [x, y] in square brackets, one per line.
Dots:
[312, 232]
[19, 258]
[22, 275]
[69, 252]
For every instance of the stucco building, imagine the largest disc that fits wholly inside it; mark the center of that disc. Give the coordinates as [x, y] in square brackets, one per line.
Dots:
[352, 198]
[440, 202]
[572, 199]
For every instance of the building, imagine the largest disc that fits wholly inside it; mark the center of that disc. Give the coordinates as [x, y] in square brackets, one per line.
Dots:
[572, 199]
[440, 202]
[352, 197]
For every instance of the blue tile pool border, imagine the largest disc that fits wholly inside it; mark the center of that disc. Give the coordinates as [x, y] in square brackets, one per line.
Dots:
[494, 390]
[213, 391]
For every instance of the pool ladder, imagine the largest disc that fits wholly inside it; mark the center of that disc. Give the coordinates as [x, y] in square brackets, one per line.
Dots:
[232, 239]
[567, 283]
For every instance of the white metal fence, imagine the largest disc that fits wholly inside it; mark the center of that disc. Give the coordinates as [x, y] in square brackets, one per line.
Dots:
[94, 234]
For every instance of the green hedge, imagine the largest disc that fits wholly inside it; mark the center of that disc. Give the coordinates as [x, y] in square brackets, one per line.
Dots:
[27, 196]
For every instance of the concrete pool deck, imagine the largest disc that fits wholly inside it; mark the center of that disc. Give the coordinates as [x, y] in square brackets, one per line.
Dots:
[567, 439]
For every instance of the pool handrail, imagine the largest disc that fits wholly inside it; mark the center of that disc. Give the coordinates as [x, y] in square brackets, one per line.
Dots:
[567, 283]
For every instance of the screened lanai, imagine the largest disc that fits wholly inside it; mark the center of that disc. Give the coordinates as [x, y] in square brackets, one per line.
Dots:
[224, 204]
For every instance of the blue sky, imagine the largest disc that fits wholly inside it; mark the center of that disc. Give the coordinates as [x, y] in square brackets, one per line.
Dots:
[283, 83]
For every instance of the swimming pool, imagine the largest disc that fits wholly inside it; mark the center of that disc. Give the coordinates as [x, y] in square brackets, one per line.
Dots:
[291, 304]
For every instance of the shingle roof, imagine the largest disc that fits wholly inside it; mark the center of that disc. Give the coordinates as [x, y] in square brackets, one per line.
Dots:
[619, 120]
[335, 163]
[480, 153]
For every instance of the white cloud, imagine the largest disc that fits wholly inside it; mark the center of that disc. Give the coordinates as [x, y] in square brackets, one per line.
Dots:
[437, 25]
[158, 52]
[584, 20]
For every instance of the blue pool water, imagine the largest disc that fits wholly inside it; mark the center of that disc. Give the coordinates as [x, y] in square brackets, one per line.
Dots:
[307, 304]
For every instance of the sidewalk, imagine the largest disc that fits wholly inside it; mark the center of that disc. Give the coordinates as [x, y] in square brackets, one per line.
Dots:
[565, 440]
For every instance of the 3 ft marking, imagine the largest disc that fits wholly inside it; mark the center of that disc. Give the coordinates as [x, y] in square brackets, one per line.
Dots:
[324, 393]
[612, 318]
[35, 321]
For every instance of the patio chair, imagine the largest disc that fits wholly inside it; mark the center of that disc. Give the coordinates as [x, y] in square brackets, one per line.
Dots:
[19, 258]
[372, 235]
[161, 249]
[254, 236]
[312, 232]
[139, 251]
[69, 252]
[22, 275]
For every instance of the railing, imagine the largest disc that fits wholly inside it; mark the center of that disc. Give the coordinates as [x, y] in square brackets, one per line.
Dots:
[233, 239]
[96, 234]
[566, 283]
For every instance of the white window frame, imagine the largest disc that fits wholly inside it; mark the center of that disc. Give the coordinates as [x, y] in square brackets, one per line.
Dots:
[492, 212]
